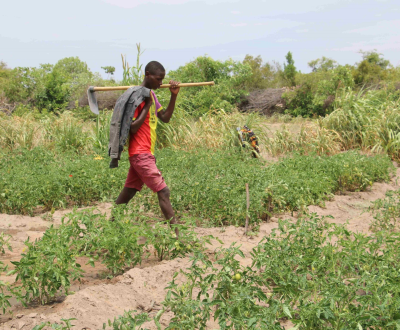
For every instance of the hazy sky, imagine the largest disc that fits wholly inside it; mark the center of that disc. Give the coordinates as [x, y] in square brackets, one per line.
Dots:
[176, 31]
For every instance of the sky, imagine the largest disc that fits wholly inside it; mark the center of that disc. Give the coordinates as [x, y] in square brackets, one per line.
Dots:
[175, 32]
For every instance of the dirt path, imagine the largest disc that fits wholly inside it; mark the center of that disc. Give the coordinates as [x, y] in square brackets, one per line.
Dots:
[142, 288]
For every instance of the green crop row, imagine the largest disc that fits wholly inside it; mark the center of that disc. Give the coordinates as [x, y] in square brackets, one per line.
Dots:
[206, 184]
[49, 265]
[314, 274]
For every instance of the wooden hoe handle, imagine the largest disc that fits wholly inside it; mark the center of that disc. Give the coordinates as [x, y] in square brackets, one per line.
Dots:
[122, 88]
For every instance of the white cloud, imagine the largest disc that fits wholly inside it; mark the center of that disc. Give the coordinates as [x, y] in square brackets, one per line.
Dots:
[238, 24]
[380, 44]
[235, 12]
[302, 31]
[135, 3]
[382, 36]
[381, 27]
[285, 40]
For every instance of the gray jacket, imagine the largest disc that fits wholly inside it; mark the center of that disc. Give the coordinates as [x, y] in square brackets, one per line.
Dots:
[122, 118]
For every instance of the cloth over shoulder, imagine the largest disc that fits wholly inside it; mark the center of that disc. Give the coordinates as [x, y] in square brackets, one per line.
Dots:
[121, 120]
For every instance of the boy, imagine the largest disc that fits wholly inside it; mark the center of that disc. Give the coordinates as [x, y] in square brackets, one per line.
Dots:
[143, 169]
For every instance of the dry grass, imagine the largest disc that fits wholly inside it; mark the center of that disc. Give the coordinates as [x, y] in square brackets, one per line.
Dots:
[365, 121]
[65, 132]
[369, 121]
[310, 139]
[215, 130]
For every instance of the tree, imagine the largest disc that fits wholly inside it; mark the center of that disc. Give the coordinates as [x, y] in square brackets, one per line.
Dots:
[264, 75]
[66, 81]
[4, 76]
[322, 64]
[373, 57]
[289, 70]
[109, 70]
[372, 69]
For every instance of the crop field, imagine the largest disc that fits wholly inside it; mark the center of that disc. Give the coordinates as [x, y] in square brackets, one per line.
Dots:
[322, 246]
[297, 267]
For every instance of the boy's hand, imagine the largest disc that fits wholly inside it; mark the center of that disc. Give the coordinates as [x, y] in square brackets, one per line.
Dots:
[174, 88]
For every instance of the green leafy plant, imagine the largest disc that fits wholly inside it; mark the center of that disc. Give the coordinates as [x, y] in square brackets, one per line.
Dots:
[48, 265]
[223, 289]
[132, 75]
[56, 326]
[289, 70]
[4, 291]
[163, 238]
[386, 212]
[128, 322]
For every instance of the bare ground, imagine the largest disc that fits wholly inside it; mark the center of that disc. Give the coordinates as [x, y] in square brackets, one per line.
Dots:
[142, 288]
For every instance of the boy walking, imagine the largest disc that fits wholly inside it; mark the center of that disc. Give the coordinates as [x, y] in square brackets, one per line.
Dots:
[143, 169]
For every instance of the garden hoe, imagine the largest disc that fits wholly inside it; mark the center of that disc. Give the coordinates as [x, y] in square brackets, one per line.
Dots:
[92, 95]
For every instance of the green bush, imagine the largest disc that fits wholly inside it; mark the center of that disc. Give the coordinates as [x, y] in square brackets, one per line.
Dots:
[317, 92]
[50, 87]
[264, 75]
[229, 77]
[289, 70]
[26, 85]
[372, 69]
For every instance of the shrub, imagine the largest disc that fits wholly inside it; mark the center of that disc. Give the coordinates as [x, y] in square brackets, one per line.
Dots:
[317, 92]
[49, 87]
[264, 75]
[229, 77]
[289, 70]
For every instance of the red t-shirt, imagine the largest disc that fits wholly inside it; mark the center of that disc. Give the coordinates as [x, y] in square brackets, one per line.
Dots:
[144, 140]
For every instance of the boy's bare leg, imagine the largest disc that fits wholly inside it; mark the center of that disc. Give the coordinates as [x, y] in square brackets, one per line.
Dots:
[166, 207]
[126, 195]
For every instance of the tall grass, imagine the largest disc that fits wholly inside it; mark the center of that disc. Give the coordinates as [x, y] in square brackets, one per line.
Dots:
[367, 120]
[65, 132]
[214, 130]
[23, 132]
[311, 139]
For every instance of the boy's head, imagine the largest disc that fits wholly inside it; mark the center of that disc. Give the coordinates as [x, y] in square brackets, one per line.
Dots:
[154, 75]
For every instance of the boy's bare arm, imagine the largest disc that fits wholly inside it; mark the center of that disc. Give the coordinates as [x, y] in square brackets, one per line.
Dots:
[165, 115]
[135, 125]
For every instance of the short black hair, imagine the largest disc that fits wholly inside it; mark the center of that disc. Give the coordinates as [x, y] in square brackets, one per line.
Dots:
[154, 67]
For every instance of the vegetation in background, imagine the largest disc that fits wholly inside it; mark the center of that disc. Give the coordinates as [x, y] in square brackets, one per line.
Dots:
[132, 75]
[229, 77]
[322, 64]
[368, 120]
[317, 91]
[50, 87]
[59, 87]
[372, 69]
[264, 75]
[109, 70]
[289, 70]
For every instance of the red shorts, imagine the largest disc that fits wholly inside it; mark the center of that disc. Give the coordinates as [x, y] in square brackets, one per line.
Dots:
[143, 170]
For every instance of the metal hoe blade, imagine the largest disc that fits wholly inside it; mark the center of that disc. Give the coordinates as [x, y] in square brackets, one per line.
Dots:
[91, 94]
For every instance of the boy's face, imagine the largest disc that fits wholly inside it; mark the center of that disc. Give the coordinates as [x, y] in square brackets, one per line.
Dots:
[154, 80]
